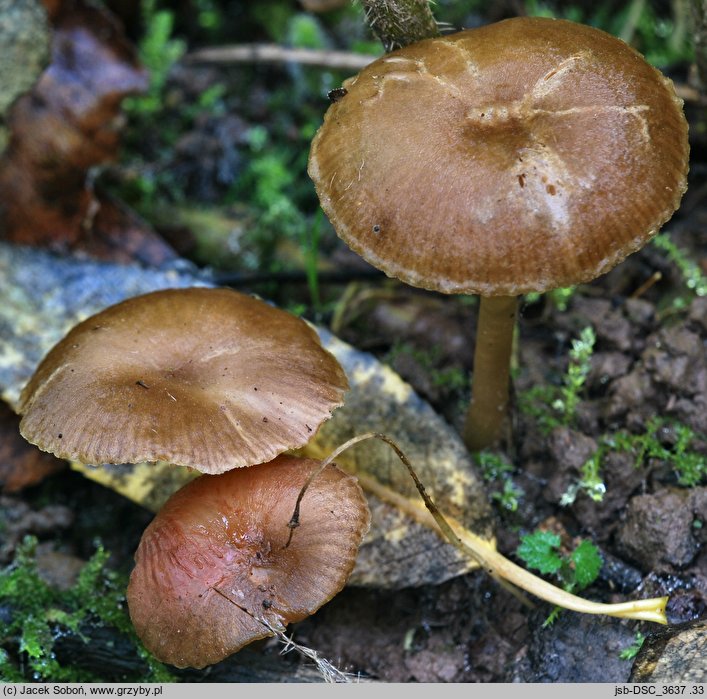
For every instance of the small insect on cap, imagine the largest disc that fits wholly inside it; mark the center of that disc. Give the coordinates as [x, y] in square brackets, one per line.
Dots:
[206, 378]
[522, 156]
[212, 571]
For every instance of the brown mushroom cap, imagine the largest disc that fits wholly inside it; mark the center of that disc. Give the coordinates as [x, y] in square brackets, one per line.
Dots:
[206, 378]
[213, 561]
[522, 156]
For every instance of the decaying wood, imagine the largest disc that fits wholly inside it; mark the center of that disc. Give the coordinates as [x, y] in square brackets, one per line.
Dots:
[675, 654]
[105, 652]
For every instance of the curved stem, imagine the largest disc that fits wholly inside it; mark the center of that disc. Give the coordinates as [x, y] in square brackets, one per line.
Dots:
[502, 569]
[479, 549]
[492, 360]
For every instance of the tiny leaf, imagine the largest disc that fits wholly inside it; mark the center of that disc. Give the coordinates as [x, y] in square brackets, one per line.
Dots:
[539, 551]
[587, 563]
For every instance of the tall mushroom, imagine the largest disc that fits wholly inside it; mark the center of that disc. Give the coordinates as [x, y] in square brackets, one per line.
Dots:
[522, 156]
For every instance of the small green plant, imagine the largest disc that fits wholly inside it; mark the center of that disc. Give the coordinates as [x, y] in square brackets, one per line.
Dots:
[577, 371]
[590, 481]
[690, 467]
[209, 16]
[575, 571]
[631, 651]
[305, 31]
[269, 184]
[158, 51]
[559, 298]
[662, 39]
[554, 406]
[40, 613]
[495, 469]
[311, 258]
[448, 378]
[153, 129]
[690, 271]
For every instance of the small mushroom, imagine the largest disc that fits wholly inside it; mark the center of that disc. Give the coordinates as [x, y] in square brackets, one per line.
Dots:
[522, 156]
[206, 378]
[213, 571]
[213, 380]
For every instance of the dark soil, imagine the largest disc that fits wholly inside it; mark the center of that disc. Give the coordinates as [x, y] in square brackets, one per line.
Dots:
[470, 629]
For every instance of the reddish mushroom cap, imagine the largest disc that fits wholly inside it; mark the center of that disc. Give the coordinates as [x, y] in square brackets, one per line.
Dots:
[206, 378]
[521, 156]
[212, 562]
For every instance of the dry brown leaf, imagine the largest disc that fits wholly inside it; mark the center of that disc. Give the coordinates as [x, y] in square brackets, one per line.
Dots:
[21, 465]
[68, 123]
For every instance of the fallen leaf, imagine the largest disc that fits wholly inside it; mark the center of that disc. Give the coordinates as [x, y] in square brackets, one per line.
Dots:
[21, 464]
[399, 551]
[50, 294]
[68, 123]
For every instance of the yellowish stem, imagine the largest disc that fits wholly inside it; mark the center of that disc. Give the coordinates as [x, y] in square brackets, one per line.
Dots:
[492, 360]
[482, 551]
[499, 566]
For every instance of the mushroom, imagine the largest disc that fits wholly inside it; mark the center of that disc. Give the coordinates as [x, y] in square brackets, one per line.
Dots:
[213, 569]
[213, 380]
[522, 156]
[206, 378]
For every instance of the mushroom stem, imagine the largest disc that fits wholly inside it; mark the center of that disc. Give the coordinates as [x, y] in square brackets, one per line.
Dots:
[482, 551]
[492, 359]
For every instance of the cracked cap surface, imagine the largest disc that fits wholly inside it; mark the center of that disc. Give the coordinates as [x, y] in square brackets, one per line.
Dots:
[212, 571]
[522, 156]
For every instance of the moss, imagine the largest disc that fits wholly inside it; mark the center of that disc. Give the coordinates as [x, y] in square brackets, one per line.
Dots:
[690, 271]
[689, 467]
[553, 406]
[630, 652]
[448, 378]
[40, 613]
[559, 298]
[497, 471]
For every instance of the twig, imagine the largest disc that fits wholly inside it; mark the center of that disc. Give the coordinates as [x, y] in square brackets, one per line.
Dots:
[651, 281]
[274, 53]
[329, 672]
